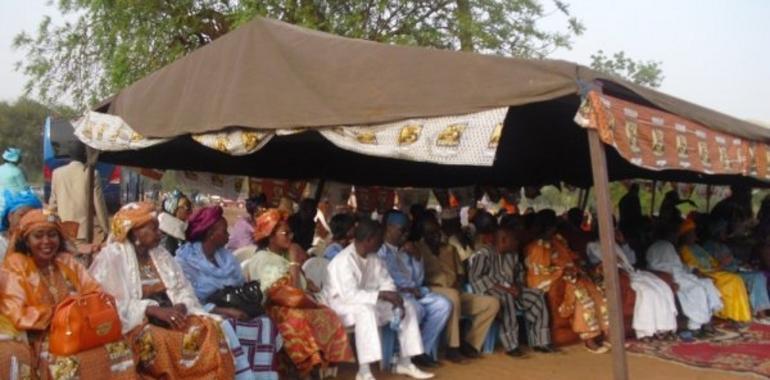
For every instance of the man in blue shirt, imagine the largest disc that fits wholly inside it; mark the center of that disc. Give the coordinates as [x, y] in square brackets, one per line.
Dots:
[406, 267]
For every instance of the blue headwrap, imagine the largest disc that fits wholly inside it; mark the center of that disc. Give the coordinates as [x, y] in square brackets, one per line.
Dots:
[14, 201]
[397, 218]
[12, 155]
[171, 202]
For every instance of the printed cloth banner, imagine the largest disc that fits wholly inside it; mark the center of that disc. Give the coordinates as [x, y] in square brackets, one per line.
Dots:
[658, 140]
[106, 132]
[453, 140]
[275, 189]
[226, 186]
[110, 133]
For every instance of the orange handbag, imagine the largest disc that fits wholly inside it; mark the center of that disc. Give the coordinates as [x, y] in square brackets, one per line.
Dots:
[83, 322]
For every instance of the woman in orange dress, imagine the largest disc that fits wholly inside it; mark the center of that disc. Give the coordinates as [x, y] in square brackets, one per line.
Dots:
[313, 334]
[549, 261]
[36, 275]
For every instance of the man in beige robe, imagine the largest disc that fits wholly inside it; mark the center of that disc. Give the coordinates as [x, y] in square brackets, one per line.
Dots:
[444, 273]
[69, 194]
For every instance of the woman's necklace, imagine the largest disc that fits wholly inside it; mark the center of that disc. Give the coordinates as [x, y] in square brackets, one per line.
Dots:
[47, 274]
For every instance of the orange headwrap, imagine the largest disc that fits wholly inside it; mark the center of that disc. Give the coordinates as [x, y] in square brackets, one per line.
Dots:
[267, 222]
[33, 220]
[686, 226]
[130, 216]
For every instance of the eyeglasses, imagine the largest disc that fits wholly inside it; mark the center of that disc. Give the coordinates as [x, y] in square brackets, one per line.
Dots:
[285, 233]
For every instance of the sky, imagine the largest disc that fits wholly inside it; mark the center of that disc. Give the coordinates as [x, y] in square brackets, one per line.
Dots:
[713, 52]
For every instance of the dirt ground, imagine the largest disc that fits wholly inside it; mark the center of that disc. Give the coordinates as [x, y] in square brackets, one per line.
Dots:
[574, 363]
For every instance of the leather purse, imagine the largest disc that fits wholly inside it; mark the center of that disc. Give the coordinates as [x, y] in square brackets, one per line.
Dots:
[84, 322]
[246, 298]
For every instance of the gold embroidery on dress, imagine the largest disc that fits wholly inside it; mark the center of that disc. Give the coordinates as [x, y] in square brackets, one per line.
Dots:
[409, 134]
[451, 135]
[64, 368]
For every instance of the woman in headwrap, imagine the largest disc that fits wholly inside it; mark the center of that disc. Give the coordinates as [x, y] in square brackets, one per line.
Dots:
[313, 334]
[209, 266]
[243, 229]
[37, 274]
[15, 206]
[169, 332]
[734, 295]
[173, 220]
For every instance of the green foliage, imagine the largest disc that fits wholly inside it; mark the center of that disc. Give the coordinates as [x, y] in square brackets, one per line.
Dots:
[648, 73]
[108, 44]
[21, 126]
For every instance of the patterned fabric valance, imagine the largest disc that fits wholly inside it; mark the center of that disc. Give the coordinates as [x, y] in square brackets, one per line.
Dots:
[658, 140]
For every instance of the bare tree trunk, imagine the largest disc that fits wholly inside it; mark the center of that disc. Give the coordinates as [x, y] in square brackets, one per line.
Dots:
[464, 24]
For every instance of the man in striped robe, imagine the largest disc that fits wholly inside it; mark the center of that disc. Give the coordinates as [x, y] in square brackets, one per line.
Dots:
[495, 271]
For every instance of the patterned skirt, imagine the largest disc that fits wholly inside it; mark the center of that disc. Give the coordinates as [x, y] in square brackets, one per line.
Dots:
[198, 352]
[20, 361]
[312, 336]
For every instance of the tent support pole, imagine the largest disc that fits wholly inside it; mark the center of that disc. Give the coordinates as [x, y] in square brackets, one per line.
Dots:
[91, 163]
[652, 202]
[609, 259]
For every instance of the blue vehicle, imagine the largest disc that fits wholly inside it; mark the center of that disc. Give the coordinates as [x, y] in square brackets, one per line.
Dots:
[58, 134]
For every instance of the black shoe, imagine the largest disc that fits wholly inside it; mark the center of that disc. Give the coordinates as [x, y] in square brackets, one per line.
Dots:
[454, 356]
[547, 349]
[424, 361]
[516, 353]
[469, 351]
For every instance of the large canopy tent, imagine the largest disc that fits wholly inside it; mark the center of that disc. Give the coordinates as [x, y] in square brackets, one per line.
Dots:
[292, 96]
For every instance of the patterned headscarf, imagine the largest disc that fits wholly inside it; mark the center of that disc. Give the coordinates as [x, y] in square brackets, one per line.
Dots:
[34, 220]
[130, 216]
[173, 201]
[14, 201]
[267, 222]
[12, 155]
[201, 220]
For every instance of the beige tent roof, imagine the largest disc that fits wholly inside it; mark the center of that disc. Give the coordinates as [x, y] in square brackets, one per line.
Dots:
[270, 75]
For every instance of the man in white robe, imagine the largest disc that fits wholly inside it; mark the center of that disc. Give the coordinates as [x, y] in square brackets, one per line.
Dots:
[363, 294]
[655, 308]
[697, 296]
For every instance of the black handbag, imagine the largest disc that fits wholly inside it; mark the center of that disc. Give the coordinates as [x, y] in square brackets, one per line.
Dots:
[246, 298]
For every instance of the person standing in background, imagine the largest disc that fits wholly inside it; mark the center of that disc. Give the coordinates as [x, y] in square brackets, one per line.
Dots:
[11, 176]
[69, 193]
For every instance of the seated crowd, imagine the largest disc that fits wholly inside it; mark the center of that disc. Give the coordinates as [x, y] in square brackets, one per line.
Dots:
[190, 300]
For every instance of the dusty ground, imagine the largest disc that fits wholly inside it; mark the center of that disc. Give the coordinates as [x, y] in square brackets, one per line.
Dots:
[574, 364]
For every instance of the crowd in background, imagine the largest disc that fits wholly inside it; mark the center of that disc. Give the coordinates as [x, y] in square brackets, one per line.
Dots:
[300, 289]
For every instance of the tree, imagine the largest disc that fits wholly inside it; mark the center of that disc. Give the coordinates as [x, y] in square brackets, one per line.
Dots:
[113, 43]
[21, 126]
[648, 73]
